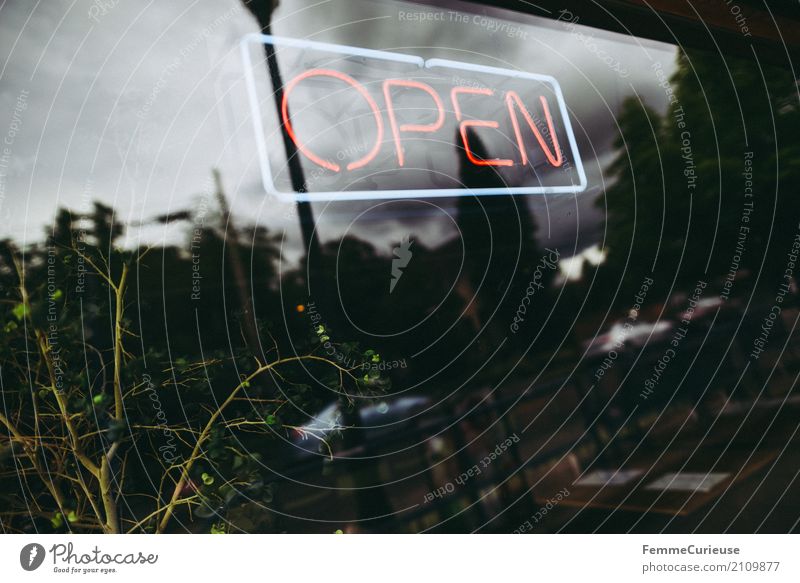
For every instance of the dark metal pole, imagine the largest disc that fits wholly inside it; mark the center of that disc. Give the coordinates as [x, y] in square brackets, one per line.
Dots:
[262, 10]
[373, 501]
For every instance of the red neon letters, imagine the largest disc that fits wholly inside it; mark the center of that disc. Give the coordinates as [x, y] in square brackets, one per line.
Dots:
[367, 97]
[387, 85]
[554, 159]
[480, 123]
[512, 100]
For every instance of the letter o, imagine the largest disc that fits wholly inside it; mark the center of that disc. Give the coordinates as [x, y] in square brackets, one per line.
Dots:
[358, 87]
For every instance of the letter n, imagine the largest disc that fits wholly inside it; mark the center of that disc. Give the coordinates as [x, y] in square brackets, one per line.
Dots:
[555, 159]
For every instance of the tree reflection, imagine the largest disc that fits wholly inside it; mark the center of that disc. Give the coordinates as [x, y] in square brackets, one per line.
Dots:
[677, 206]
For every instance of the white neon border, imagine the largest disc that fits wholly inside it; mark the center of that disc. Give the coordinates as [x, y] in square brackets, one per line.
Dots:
[266, 171]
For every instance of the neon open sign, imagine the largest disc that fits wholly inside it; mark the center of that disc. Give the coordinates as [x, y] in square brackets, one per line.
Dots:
[369, 124]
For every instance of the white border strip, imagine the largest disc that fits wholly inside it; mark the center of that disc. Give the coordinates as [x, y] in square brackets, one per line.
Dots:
[397, 558]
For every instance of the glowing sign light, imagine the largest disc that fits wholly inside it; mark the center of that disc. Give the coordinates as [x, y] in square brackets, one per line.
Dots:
[347, 79]
[338, 101]
[410, 127]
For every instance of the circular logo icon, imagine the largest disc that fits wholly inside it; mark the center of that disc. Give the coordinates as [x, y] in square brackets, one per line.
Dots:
[31, 556]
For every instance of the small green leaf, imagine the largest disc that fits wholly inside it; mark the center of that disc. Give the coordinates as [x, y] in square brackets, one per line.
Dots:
[97, 399]
[218, 528]
[57, 295]
[376, 358]
[207, 479]
[72, 516]
[57, 521]
[19, 311]
[270, 420]
[338, 531]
